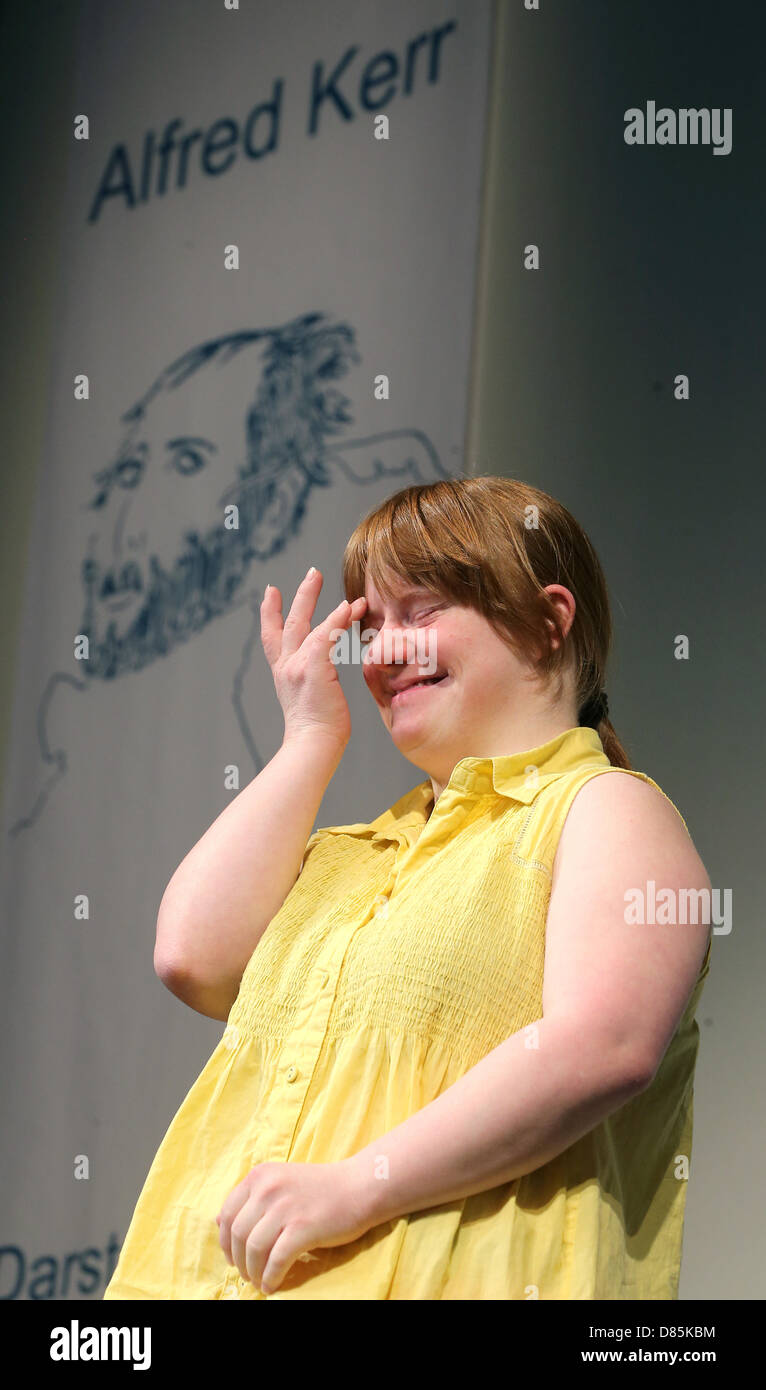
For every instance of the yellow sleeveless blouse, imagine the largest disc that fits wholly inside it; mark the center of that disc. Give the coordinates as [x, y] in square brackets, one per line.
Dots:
[408, 949]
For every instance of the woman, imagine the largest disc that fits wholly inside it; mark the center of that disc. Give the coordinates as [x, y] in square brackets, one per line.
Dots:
[459, 1059]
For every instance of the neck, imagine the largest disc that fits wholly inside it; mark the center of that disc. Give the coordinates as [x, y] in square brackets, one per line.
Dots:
[533, 733]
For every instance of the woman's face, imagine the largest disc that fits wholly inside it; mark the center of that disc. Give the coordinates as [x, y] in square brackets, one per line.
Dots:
[477, 689]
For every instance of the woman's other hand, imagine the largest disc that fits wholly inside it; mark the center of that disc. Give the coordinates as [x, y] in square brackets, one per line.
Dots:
[281, 1211]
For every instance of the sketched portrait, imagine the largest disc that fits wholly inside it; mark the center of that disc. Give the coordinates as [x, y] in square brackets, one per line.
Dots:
[195, 498]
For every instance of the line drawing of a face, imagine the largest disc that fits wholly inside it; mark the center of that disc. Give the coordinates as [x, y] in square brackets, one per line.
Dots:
[160, 563]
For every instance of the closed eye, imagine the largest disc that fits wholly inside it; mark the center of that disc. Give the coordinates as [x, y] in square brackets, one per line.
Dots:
[372, 620]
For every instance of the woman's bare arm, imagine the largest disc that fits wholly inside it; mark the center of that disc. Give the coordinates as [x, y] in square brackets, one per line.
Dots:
[620, 834]
[223, 895]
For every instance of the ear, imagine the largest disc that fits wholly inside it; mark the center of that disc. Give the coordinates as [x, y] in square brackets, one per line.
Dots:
[565, 603]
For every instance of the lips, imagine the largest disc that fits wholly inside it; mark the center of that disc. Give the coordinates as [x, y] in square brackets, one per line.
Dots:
[424, 684]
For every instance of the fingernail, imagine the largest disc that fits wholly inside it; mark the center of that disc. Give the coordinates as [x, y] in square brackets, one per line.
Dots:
[266, 590]
[311, 571]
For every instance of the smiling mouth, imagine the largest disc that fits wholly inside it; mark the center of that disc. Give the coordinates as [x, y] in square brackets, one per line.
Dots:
[418, 686]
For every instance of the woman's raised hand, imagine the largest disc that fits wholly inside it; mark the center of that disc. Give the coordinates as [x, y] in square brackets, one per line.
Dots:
[305, 677]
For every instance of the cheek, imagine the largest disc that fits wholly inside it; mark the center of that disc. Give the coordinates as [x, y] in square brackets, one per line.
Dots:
[478, 682]
[371, 678]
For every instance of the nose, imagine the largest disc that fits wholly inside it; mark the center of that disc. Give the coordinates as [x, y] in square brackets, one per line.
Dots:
[387, 647]
[394, 645]
[126, 541]
[118, 532]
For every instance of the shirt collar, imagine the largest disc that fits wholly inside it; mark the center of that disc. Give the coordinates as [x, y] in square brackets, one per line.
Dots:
[519, 777]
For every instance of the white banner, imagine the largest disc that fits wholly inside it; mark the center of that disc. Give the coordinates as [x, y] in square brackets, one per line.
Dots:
[268, 260]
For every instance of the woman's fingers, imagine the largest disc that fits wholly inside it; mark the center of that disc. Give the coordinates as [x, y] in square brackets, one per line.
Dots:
[298, 621]
[340, 617]
[271, 624]
[306, 682]
[284, 638]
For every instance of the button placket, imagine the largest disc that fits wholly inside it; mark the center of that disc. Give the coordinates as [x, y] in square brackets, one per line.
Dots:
[304, 1044]
[308, 1036]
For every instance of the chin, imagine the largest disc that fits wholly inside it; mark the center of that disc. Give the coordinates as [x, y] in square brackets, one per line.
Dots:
[414, 741]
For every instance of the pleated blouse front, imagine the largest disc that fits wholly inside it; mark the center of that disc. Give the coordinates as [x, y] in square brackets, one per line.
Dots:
[406, 951]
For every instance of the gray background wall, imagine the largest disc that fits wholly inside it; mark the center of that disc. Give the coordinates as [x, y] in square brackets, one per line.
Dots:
[651, 265]
[38, 48]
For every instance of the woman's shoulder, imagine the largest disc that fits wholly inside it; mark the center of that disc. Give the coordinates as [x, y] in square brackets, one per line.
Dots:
[629, 815]
[628, 928]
